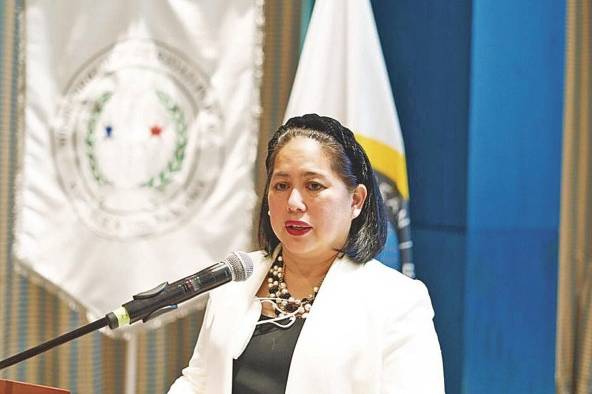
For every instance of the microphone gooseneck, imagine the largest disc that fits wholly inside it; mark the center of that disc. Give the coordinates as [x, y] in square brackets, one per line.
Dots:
[165, 297]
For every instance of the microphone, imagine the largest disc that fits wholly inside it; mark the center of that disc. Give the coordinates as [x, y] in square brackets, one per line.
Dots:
[165, 297]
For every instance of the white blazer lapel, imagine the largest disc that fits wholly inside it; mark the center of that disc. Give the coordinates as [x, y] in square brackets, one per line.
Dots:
[249, 310]
[320, 323]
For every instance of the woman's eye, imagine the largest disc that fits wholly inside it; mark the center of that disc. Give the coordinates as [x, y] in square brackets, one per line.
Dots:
[280, 186]
[314, 186]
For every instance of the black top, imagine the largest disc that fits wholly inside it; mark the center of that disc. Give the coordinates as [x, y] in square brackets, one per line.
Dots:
[263, 366]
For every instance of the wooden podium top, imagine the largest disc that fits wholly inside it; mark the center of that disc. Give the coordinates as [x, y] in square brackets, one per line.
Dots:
[12, 387]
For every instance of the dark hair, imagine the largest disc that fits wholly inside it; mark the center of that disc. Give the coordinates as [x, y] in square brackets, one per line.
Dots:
[367, 234]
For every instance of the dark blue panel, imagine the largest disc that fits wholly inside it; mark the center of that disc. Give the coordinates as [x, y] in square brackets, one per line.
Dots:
[513, 196]
[426, 48]
[427, 51]
[440, 263]
[510, 309]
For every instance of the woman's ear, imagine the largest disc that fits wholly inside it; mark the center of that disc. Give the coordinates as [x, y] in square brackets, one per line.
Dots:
[358, 197]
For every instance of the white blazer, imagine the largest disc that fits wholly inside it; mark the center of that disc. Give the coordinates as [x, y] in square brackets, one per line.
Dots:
[370, 331]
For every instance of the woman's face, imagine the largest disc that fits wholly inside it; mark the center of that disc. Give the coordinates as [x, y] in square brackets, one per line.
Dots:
[310, 207]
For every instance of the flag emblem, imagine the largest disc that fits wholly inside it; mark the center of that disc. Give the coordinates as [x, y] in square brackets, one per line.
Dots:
[136, 139]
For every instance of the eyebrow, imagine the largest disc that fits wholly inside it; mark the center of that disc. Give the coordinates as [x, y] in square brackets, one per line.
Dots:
[282, 174]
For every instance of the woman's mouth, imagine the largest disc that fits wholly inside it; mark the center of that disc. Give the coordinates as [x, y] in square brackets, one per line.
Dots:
[294, 227]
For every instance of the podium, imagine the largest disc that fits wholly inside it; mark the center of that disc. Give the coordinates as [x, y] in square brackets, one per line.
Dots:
[12, 387]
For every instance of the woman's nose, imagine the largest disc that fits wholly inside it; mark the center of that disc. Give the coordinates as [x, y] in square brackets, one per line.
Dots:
[295, 201]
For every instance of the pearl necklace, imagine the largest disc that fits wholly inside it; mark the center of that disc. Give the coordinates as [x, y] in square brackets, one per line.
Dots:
[279, 290]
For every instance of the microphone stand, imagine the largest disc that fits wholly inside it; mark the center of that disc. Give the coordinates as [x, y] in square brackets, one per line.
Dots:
[152, 303]
[144, 306]
[54, 342]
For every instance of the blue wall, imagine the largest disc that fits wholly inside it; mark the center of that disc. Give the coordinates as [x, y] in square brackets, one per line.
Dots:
[479, 88]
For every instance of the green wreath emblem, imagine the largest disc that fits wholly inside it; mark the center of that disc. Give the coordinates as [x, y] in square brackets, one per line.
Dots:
[91, 138]
[173, 165]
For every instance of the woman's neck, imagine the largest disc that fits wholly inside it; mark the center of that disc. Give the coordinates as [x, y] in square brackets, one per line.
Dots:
[302, 274]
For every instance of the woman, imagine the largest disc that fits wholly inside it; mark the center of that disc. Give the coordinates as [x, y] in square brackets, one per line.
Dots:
[318, 315]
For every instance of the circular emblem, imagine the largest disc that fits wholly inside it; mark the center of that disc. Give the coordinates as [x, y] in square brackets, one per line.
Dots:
[137, 139]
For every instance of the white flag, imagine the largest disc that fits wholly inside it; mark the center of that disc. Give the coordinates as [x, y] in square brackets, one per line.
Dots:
[139, 144]
[342, 74]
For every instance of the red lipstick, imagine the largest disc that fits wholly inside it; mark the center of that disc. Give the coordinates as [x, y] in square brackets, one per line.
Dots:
[297, 227]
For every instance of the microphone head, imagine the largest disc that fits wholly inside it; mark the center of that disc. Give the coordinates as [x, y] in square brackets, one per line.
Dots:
[241, 265]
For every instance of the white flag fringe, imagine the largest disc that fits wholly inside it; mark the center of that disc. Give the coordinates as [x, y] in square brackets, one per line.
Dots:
[342, 74]
[140, 130]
